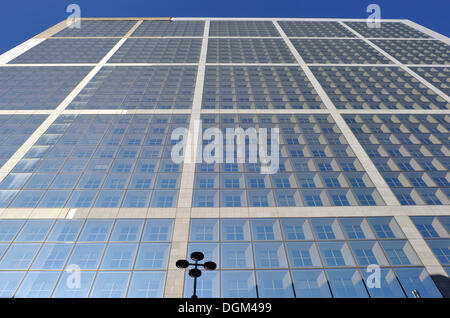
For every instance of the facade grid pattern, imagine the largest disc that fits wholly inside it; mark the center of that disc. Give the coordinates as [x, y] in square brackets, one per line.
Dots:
[86, 117]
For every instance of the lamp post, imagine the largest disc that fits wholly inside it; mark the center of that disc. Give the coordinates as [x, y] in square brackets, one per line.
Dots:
[195, 272]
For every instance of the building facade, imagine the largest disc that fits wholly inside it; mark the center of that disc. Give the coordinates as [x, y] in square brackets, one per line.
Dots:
[92, 203]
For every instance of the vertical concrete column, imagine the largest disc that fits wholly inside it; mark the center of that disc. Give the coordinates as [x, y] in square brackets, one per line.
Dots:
[175, 277]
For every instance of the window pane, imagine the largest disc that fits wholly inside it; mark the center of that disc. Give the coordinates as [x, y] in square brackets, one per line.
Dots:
[119, 256]
[9, 281]
[346, 283]
[158, 230]
[96, 231]
[237, 255]
[147, 284]
[37, 285]
[153, 255]
[34, 231]
[310, 284]
[303, 254]
[127, 230]
[238, 284]
[274, 284]
[389, 286]
[65, 230]
[52, 256]
[207, 285]
[19, 256]
[110, 285]
[68, 286]
[417, 278]
[87, 256]
[235, 230]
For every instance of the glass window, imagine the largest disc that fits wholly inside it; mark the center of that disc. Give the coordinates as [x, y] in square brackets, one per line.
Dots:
[119, 256]
[157, 230]
[346, 283]
[269, 255]
[238, 284]
[235, 230]
[237, 255]
[34, 231]
[368, 252]
[96, 231]
[326, 229]
[429, 227]
[152, 255]
[385, 227]
[310, 284]
[65, 231]
[356, 228]
[68, 286]
[204, 230]
[127, 230]
[210, 250]
[207, 285]
[336, 254]
[9, 281]
[266, 230]
[388, 287]
[400, 253]
[110, 285]
[441, 249]
[19, 256]
[52, 256]
[38, 285]
[297, 229]
[9, 229]
[147, 284]
[303, 254]
[274, 284]
[87, 255]
[417, 279]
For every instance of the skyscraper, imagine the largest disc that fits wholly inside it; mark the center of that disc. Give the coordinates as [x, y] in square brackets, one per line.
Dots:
[93, 204]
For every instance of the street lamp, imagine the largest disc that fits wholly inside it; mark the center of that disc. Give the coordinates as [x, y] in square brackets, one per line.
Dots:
[195, 272]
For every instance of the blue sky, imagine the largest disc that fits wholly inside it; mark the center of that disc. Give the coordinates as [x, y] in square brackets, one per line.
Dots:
[22, 19]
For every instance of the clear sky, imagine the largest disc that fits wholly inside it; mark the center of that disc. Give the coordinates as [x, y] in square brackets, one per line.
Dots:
[22, 19]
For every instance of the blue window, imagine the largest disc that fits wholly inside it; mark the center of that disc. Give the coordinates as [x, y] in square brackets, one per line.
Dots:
[417, 279]
[237, 255]
[52, 256]
[9, 281]
[266, 230]
[9, 229]
[310, 284]
[157, 230]
[389, 286]
[235, 230]
[34, 231]
[119, 256]
[346, 283]
[87, 255]
[110, 285]
[147, 284]
[37, 284]
[65, 231]
[64, 289]
[238, 284]
[152, 255]
[127, 230]
[96, 231]
[274, 284]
